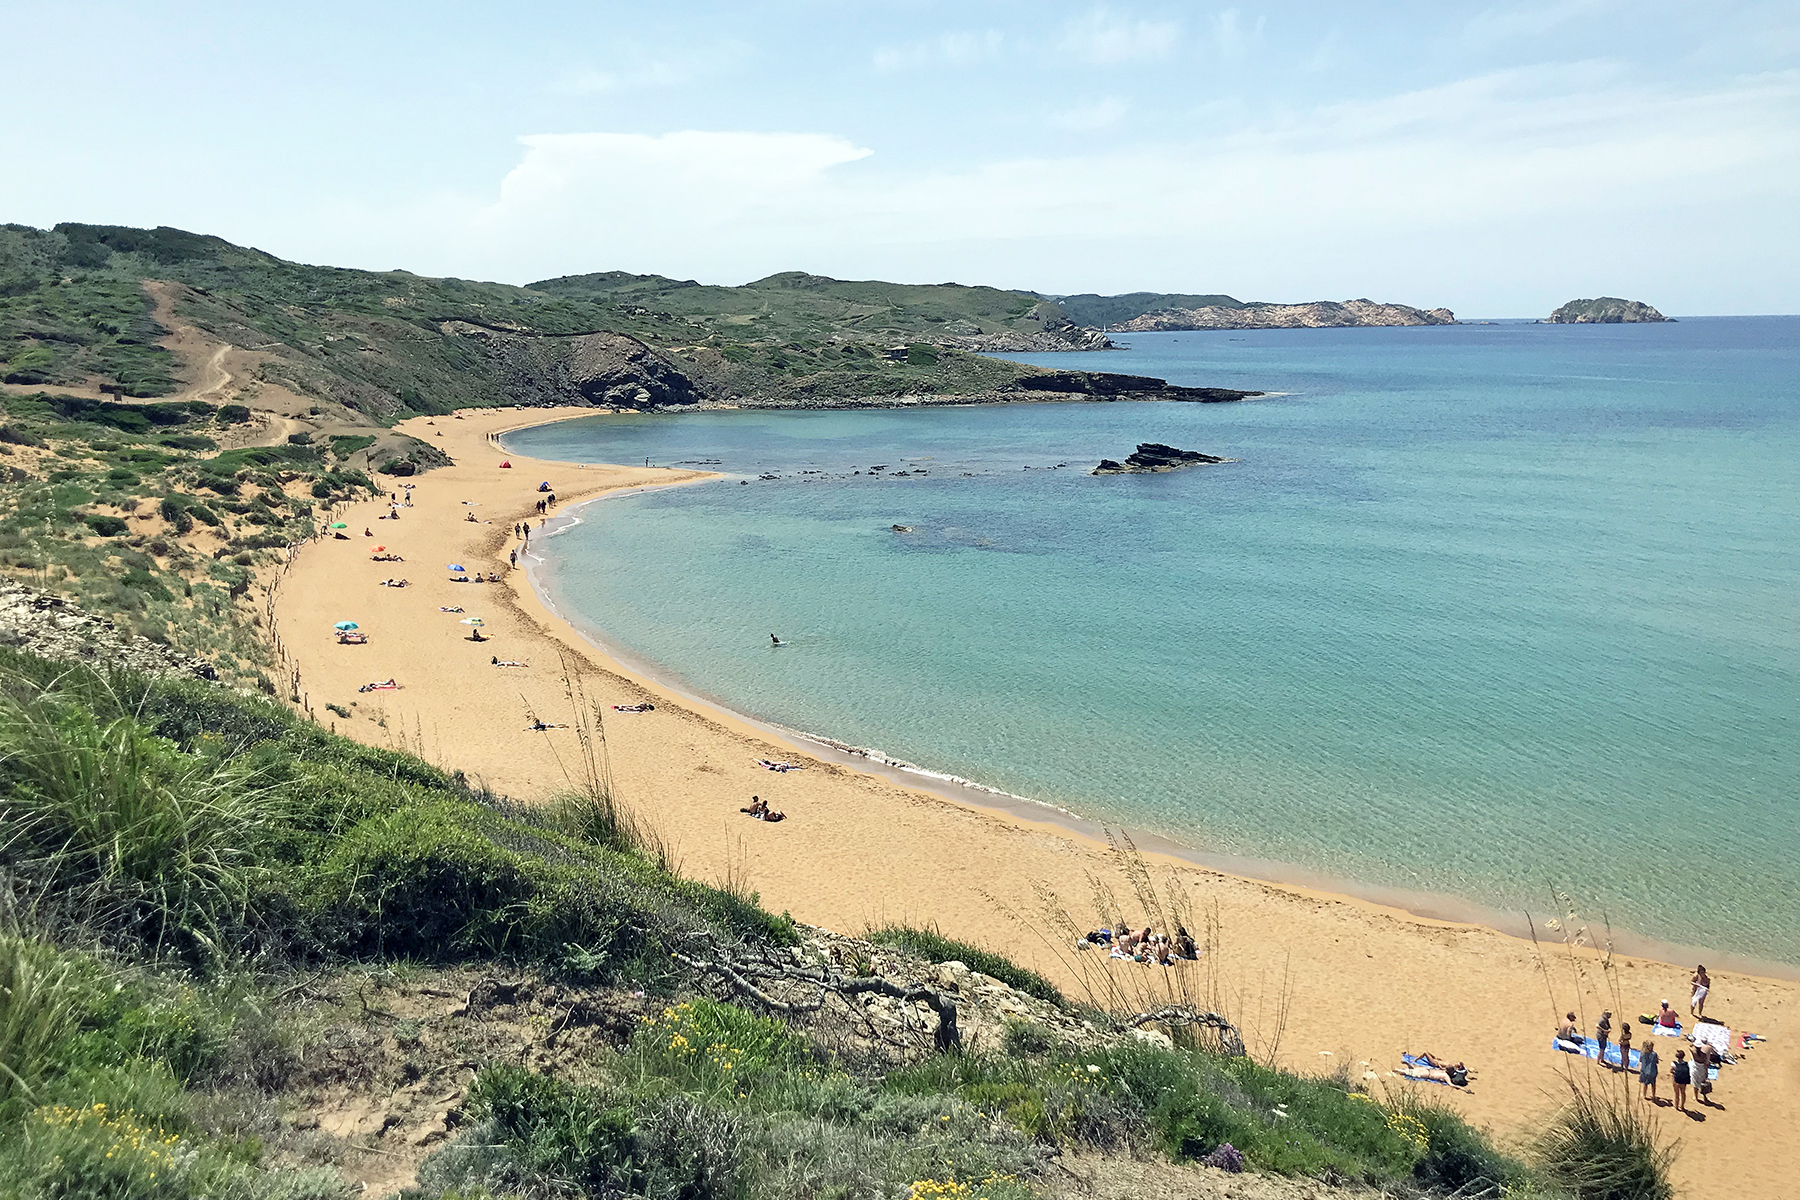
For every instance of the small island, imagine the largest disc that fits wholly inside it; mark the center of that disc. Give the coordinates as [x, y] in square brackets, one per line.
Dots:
[1605, 310]
[1151, 457]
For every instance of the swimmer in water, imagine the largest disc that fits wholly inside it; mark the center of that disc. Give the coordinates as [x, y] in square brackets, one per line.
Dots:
[773, 640]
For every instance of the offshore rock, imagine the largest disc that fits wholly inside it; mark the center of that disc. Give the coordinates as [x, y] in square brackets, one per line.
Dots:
[1152, 457]
[1605, 310]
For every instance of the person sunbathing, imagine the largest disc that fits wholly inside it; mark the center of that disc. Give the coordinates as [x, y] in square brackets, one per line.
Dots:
[449, 608]
[758, 807]
[386, 685]
[538, 726]
[1668, 1018]
[1184, 943]
[1568, 1031]
[635, 708]
[1436, 1068]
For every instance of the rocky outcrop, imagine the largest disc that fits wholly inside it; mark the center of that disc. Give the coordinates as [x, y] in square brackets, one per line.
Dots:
[49, 626]
[1604, 310]
[1321, 314]
[1101, 385]
[1152, 457]
[608, 369]
[1048, 330]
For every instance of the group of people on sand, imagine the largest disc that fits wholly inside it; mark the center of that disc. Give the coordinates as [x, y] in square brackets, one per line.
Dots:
[1690, 1069]
[477, 577]
[759, 808]
[1145, 945]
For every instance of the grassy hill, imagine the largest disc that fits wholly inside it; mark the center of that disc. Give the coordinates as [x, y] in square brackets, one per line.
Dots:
[74, 311]
[1092, 310]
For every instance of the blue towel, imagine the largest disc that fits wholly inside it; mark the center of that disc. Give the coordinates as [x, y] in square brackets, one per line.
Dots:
[1591, 1049]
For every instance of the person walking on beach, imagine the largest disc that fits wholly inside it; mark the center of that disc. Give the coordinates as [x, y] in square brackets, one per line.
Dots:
[1625, 1045]
[1702, 985]
[514, 557]
[1603, 1035]
[1679, 1075]
[1647, 1064]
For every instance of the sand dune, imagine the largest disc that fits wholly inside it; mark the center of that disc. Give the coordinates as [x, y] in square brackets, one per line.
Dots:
[1363, 982]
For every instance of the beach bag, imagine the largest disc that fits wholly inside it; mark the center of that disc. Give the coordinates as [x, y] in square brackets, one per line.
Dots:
[1459, 1077]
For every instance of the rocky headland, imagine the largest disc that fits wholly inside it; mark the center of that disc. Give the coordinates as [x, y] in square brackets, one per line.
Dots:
[1153, 457]
[1605, 310]
[1320, 314]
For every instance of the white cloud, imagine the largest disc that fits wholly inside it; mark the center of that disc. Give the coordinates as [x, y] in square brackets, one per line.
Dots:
[1233, 35]
[1104, 39]
[631, 79]
[1501, 24]
[960, 49]
[1567, 159]
[1086, 118]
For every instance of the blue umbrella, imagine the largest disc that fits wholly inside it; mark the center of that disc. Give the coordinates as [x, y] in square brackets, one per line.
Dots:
[346, 626]
[458, 567]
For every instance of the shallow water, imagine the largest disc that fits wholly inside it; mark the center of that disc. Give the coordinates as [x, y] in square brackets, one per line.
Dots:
[1483, 610]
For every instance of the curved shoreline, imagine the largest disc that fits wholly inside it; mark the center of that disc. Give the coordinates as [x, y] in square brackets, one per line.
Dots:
[1427, 905]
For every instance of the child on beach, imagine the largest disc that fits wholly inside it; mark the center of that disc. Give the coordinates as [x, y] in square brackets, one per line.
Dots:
[1625, 1046]
[1647, 1064]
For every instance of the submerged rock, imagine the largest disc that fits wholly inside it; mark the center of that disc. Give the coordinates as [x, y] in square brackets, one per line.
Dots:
[1151, 457]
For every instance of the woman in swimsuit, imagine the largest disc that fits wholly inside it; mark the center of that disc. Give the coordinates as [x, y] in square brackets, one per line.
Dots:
[1702, 985]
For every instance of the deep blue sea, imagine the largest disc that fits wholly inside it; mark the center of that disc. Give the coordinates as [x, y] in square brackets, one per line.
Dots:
[1484, 610]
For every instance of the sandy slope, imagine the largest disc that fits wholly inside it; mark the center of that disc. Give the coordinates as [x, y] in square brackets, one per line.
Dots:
[1363, 982]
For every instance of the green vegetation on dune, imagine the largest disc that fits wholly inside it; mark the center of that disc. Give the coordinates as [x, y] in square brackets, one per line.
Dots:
[175, 853]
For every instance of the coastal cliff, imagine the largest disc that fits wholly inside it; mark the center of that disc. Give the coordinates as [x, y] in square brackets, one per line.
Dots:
[1320, 314]
[1605, 310]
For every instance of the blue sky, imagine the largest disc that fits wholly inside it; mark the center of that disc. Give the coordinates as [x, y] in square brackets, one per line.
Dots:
[1497, 160]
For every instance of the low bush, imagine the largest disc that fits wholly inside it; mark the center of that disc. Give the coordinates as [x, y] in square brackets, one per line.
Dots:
[1603, 1145]
[931, 944]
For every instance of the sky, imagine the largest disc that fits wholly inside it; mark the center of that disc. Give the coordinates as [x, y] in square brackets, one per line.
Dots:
[1495, 160]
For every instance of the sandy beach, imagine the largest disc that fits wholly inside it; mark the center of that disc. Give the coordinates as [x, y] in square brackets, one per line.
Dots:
[1321, 981]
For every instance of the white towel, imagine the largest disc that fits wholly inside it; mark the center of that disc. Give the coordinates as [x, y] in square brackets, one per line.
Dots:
[1716, 1036]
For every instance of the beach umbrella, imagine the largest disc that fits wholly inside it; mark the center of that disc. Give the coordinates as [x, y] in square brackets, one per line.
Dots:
[379, 549]
[457, 567]
[345, 626]
[337, 525]
[472, 621]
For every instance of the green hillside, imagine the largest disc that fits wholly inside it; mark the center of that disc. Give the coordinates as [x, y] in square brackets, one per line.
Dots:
[389, 344]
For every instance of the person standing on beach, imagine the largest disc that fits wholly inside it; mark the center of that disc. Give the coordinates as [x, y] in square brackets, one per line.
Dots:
[1679, 1075]
[1603, 1035]
[1625, 1046]
[1647, 1064]
[514, 556]
[1702, 985]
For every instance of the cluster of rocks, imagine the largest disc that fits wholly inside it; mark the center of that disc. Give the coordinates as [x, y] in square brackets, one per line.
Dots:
[1152, 457]
[1604, 310]
[1320, 314]
[45, 624]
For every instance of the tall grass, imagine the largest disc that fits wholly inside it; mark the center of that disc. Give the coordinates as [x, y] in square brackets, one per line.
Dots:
[1604, 1145]
[38, 1009]
[141, 835]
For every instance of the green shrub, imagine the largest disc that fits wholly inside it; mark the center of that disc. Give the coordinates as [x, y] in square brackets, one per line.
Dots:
[161, 844]
[233, 414]
[38, 1010]
[931, 944]
[1603, 1145]
[106, 526]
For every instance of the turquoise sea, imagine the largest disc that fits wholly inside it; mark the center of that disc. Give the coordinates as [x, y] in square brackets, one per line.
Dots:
[1484, 611]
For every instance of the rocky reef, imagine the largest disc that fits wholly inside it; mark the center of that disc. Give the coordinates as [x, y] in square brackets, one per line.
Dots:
[1152, 457]
[44, 624]
[1604, 310]
[1320, 314]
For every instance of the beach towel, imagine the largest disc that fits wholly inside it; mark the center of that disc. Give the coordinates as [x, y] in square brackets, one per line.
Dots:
[1666, 1030]
[1589, 1048]
[1716, 1036]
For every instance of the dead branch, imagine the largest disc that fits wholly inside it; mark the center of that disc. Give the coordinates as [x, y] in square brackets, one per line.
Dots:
[946, 1037]
[1230, 1041]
